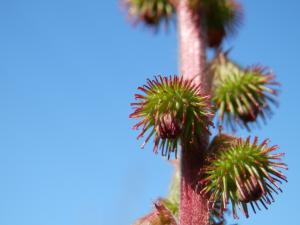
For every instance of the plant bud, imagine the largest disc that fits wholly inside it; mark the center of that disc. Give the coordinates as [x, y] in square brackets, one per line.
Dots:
[168, 127]
[215, 37]
[249, 190]
[242, 95]
[242, 173]
[171, 109]
[249, 115]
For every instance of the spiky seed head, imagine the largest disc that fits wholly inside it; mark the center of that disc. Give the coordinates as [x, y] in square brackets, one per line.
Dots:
[150, 12]
[244, 173]
[221, 18]
[242, 95]
[171, 108]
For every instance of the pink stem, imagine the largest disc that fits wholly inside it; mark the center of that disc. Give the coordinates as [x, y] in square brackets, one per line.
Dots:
[193, 206]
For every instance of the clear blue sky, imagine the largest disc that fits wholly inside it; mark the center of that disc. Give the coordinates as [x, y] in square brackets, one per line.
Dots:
[68, 71]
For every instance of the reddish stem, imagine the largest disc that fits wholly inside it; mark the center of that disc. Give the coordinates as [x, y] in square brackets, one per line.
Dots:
[193, 207]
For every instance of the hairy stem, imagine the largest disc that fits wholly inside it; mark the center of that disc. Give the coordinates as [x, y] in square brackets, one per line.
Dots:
[193, 207]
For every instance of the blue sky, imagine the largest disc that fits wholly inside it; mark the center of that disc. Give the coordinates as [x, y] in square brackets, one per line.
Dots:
[68, 71]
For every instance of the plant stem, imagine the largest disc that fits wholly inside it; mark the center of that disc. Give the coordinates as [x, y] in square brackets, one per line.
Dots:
[193, 207]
